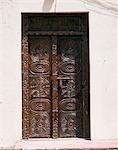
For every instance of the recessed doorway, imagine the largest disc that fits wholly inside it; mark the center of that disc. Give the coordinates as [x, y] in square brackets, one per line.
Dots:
[55, 75]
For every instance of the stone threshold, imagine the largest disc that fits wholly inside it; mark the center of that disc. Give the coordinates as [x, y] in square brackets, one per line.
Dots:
[66, 144]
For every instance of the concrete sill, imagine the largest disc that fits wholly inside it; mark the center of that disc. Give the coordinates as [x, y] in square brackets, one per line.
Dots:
[65, 143]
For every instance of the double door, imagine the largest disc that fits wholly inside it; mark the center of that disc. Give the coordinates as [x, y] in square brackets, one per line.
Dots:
[55, 79]
[55, 86]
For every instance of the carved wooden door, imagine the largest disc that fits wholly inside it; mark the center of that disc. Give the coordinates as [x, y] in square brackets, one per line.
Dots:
[53, 86]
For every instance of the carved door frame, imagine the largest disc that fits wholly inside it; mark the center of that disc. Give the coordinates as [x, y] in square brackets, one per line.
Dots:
[85, 69]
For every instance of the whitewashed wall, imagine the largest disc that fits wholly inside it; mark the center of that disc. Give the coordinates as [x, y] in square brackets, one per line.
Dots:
[103, 69]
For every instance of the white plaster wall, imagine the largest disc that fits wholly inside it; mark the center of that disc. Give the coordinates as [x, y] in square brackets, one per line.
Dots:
[103, 66]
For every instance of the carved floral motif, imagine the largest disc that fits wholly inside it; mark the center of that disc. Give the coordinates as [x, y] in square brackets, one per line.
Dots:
[40, 125]
[39, 81]
[49, 72]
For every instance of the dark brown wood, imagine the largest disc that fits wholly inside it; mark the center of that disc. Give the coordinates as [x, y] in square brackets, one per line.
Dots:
[55, 68]
[39, 86]
[55, 106]
[65, 22]
[69, 52]
[86, 79]
[54, 33]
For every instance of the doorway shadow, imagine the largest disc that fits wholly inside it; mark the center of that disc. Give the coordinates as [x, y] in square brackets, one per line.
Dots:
[47, 5]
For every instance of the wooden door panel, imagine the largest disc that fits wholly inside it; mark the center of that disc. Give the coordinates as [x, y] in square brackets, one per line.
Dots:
[40, 86]
[69, 85]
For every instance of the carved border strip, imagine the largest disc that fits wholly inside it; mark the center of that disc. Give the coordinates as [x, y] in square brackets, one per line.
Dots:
[54, 89]
[25, 90]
